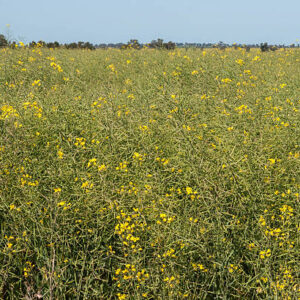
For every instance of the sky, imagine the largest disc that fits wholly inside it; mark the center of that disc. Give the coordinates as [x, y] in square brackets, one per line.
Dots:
[99, 21]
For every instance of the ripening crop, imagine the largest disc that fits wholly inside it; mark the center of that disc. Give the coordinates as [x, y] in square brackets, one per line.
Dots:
[149, 174]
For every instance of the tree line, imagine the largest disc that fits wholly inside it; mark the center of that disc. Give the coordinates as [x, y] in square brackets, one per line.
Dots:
[135, 44]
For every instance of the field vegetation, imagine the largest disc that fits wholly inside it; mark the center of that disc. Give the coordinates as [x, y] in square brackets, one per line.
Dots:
[149, 174]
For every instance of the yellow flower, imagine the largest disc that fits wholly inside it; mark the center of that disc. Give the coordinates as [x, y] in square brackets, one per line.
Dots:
[57, 190]
[36, 82]
[226, 80]
[251, 246]
[189, 190]
[262, 221]
[272, 161]
[92, 162]
[264, 254]
[256, 58]
[240, 62]
[121, 296]
[60, 154]
[102, 168]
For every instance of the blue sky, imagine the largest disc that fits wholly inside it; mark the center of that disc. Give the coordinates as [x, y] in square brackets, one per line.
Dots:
[200, 21]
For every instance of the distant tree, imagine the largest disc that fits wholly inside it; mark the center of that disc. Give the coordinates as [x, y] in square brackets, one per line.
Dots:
[170, 45]
[72, 46]
[80, 44]
[89, 46]
[32, 44]
[53, 45]
[103, 46]
[159, 44]
[156, 44]
[3, 41]
[41, 43]
[50, 45]
[264, 47]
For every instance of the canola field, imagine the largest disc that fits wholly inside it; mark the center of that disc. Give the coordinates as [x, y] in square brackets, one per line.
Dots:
[148, 174]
